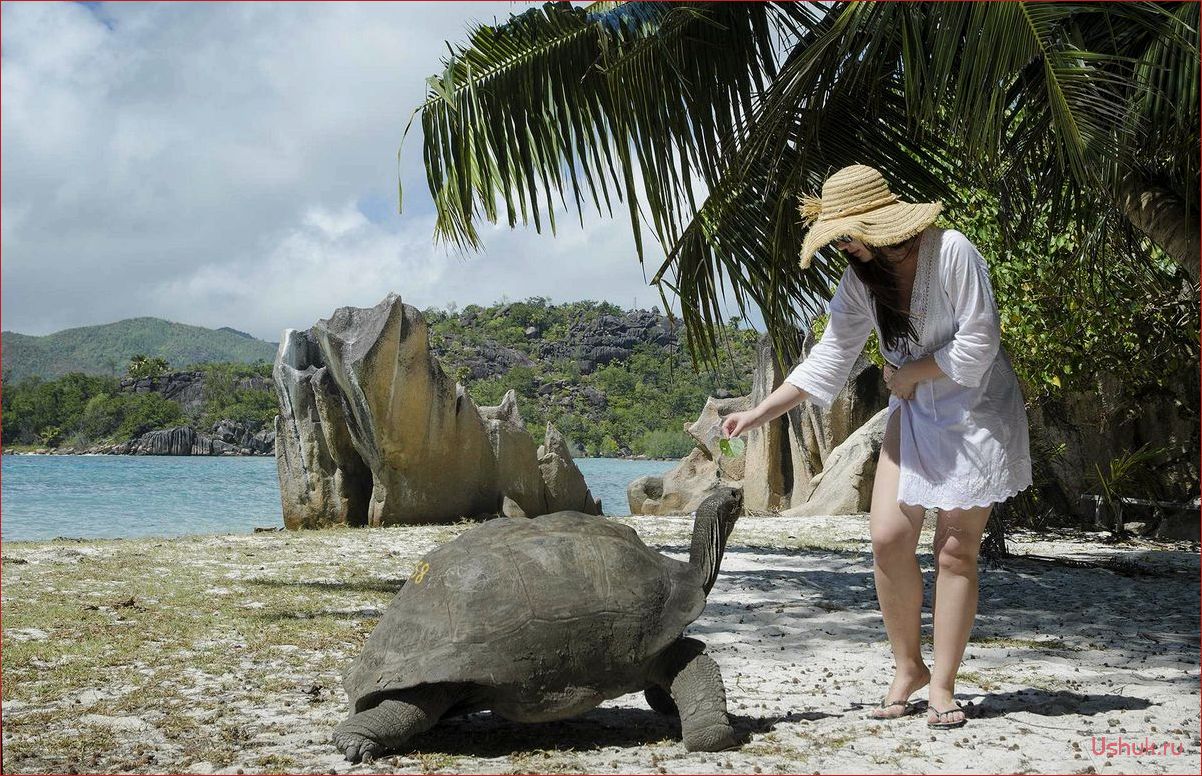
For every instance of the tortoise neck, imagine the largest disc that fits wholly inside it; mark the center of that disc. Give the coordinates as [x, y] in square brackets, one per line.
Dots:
[709, 543]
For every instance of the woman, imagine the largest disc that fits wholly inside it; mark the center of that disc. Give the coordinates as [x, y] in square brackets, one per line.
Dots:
[956, 436]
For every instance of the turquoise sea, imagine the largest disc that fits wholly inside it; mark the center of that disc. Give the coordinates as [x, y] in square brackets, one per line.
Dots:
[114, 496]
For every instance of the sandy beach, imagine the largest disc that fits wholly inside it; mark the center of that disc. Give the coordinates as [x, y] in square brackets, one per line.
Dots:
[223, 654]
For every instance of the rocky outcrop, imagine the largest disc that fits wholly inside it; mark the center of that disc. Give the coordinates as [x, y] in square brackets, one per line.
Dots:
[251, 438]
[844, 486]
[781, 458]
[181, 440]
[228, 437]
[592, 343]
[488, 359]
[372, 431]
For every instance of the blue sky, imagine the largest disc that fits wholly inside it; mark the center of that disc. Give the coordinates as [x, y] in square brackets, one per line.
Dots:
[234, 164]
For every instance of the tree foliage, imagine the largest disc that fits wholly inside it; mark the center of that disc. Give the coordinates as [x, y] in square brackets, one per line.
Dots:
[143, 365]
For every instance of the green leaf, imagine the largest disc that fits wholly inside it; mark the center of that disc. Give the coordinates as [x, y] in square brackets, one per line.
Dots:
[732, 448]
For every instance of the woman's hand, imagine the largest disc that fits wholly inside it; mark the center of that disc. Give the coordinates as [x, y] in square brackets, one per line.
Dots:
[900, 381]
[738, 423]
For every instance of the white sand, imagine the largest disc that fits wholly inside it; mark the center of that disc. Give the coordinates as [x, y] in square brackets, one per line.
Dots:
[1060, 657]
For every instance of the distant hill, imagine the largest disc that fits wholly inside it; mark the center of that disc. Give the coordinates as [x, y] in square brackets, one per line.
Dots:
[106, 349]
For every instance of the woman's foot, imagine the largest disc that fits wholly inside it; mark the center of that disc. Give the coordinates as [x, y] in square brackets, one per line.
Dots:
[952, 717]
[905, 683]
[944, 711]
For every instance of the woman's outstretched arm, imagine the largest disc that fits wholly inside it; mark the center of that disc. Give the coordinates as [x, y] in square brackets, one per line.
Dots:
[777, 403]
[824, 372]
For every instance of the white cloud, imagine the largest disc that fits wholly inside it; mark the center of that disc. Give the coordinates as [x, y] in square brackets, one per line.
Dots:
[235, 164]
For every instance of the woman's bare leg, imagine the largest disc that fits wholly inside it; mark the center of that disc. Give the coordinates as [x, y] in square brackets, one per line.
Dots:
[957, 542]
[894, 529]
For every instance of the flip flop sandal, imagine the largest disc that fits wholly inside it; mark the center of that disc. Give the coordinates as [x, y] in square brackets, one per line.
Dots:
[946, 725]
[908, 708]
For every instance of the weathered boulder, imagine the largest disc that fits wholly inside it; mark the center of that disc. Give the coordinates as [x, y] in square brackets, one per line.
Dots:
[1074, 434]
[678, 492]
[814, 433]
[699, 475]
[844, 486]
[781, 458]
[565, 485]
[707, 432]
[323, 480]
[1177, 524]
[372, 431]
[248, 436]
[783, 455]
[525, 488]
[768, 474]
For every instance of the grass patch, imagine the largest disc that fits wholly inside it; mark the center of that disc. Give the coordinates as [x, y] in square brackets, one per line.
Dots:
[1002, 642]
[977, 679]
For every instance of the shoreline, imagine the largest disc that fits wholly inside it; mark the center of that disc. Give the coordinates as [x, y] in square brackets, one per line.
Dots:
[208, 654]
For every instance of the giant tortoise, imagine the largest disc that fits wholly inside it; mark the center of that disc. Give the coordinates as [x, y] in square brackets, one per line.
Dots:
[542, 619]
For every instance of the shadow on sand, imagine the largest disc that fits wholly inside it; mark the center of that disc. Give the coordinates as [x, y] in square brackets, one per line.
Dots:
[484, 734]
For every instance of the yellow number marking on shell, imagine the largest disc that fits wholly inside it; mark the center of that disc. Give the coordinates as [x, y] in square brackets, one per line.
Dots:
[419, 572]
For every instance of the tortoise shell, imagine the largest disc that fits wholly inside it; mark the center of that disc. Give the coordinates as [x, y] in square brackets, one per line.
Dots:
[567, 600]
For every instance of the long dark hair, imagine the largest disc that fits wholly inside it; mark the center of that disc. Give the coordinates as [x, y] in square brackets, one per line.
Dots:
[881, 279]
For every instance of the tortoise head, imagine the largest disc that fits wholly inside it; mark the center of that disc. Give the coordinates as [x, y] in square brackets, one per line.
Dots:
[715, 520]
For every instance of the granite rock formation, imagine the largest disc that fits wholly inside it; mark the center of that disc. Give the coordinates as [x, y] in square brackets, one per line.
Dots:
[780, 458]
[844, 486]
[371, 431]
[181, 440]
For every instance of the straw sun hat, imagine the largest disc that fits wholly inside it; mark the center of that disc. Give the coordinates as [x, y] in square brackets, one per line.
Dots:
[857, 201]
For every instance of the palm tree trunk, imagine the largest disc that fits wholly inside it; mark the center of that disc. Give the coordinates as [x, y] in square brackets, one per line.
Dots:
[1161, 214]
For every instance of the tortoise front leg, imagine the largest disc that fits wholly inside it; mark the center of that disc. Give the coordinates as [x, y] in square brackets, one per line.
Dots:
[386, 727]
[696, 687]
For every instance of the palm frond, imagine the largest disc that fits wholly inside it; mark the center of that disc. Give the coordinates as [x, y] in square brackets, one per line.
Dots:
[628, 101]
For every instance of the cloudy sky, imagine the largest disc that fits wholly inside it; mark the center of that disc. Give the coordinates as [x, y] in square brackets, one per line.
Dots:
[234, 164]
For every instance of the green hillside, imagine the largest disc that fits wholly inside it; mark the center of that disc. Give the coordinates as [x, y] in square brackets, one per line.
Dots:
[106, 349]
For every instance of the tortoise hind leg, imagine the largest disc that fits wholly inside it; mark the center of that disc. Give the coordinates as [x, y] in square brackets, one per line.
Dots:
[386, 727]
[696, 687]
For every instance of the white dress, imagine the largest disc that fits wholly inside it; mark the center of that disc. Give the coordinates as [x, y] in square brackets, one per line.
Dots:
[964, 437]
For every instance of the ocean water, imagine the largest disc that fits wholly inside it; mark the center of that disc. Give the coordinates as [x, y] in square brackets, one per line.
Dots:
[114, 496]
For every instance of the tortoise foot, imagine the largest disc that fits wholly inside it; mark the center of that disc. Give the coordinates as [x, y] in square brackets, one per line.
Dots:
[714, 738]
[356, 747]
[387, 727]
